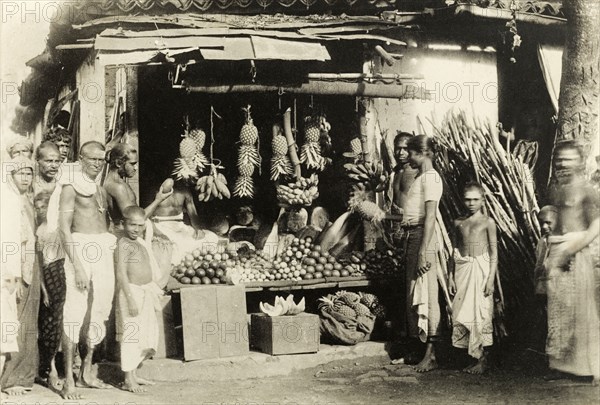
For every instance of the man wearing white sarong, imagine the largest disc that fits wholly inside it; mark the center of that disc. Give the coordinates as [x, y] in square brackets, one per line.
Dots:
[472, 310]
[82, 219]
[139, 298]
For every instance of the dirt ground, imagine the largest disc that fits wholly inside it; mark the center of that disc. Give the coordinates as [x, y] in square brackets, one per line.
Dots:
[362, 381]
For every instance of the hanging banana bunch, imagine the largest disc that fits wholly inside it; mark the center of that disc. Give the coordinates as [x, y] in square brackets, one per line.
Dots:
[191, 159]
[311, 150]
[280, 163]
[248, 158]
[213, 185]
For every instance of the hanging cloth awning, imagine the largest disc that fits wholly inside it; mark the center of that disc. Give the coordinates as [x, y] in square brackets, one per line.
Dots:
[137, 47]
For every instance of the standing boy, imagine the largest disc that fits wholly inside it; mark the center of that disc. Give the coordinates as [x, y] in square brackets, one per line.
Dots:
[475, 265]
[138, 298]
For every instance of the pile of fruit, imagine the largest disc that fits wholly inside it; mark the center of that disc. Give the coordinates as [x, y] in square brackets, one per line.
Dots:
[371, 175]
[352, 305]
[304, 260]
[380, 263]
[203, 268]
[303, 192]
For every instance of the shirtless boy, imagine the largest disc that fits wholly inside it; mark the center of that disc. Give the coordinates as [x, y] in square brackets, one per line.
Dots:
[83, 229]
[475, 264]
[138, 295]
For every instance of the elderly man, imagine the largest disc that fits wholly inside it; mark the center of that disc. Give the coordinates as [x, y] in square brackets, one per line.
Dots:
[573, 297]
[83, 228]
[18, 232]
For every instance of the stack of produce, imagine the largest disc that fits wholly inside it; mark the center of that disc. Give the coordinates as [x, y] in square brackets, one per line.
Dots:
[213, 185]
[472, 151]
[203, 268]
[248, 158]
[191, 159]
[352, 305]
[378, 264]
[370, 175]
[302, 192]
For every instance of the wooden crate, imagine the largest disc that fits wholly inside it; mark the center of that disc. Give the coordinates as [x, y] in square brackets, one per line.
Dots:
[214, 322]
[285, 334]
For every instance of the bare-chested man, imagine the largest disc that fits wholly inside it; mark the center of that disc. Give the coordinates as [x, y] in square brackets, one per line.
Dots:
[404, 175]
[172, 237]
[83, 228]
[123, 160]
[573, 343]
[475, 261]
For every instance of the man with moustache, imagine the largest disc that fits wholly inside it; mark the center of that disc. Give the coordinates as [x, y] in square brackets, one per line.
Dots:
[48, 160]
[82, 220]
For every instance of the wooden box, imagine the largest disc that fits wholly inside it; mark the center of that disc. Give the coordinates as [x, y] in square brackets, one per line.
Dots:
[285, 334]
[214, 322]
[167, 342]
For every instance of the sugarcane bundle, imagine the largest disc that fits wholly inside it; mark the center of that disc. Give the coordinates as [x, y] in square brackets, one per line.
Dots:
[470, 150]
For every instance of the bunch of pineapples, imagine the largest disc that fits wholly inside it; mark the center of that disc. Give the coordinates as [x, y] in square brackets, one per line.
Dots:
[310, 153]
[345, 303]
[280, 163]
[248, 158]
[352, 305]
[191, 159]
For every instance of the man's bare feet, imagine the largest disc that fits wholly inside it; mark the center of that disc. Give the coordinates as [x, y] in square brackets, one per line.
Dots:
[15, 391]
[427, 364]
[131, 385]
[91, 382]
[54, 382]
[143, 381]
[478, 368]
[69, 392]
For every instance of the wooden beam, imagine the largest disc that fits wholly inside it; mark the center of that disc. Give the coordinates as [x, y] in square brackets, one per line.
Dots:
[397, 91]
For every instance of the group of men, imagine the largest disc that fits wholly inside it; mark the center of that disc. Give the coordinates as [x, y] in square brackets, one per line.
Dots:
[567, 276]
[90, 238]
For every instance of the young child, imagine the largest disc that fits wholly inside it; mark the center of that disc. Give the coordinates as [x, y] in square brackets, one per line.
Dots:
[137, 272]
[547, 218]
[475, 265]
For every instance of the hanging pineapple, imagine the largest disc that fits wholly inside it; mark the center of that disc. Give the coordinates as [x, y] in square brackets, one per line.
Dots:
[311, 150]
[191, 159]
[280, 163]
[248, 158]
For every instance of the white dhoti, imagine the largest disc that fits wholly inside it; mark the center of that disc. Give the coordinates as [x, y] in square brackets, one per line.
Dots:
[472, 312]
[182, 237]
[95, 253]
[9, 321]
[138, 334]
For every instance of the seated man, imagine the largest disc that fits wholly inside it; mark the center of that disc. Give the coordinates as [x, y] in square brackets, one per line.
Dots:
[172, 237]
